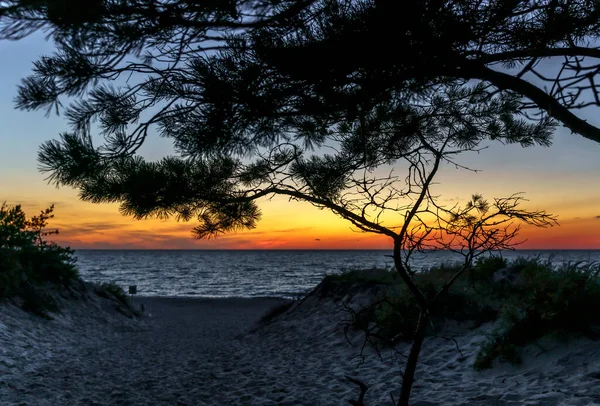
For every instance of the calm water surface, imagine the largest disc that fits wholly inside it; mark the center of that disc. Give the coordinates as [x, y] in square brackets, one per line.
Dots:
[220, 273]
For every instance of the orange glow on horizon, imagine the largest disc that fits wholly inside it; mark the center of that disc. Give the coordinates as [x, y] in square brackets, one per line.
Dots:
[285, 225]
[561, 179]
[87, 226]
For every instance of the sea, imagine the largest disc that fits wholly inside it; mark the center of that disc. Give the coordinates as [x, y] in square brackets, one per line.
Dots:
[258, 273]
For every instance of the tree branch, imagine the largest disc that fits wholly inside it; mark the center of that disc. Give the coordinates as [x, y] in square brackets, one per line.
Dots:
[538, 96]
[539, 53]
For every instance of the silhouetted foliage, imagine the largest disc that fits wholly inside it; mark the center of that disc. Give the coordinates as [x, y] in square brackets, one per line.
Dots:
[394, 312]
[297, 98]
[537, 299]
[225, 75]
[268, 80]
[544, 300]
[30, 266]
[108, 289]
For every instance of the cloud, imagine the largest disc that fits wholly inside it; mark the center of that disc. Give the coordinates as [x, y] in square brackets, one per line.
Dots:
[121, 235]
[32, 208]
[293, 230]
[178, 228]
[89, 227]
[100, 245]
[143, 240]
[188, 227]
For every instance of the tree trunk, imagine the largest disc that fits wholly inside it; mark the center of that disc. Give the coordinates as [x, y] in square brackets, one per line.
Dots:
[413, 357]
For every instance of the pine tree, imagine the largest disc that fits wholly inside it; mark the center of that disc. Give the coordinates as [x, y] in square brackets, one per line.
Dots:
[311, 100]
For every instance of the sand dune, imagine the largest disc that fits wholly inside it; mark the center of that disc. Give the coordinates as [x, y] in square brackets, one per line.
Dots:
[210, 352]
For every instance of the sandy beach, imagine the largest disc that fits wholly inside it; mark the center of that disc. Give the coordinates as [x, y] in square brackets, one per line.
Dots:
[211, 352]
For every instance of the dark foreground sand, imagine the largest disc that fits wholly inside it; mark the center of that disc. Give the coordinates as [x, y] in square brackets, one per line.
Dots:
[167, 359]
[209, 352]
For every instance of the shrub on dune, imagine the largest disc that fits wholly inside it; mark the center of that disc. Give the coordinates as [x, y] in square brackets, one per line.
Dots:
[546, 300]
[529, 298]
[30, 266]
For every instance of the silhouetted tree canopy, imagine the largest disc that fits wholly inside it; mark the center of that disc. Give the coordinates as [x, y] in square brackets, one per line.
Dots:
[310, 99]
[247, 89]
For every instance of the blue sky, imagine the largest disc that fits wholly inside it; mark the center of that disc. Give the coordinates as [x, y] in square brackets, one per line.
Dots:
[563, 179]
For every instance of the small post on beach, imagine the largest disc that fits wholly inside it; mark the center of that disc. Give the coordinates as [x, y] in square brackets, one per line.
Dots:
[132, 291]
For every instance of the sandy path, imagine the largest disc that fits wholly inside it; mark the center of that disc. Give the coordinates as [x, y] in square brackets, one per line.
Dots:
[200, 352]
[170, 359]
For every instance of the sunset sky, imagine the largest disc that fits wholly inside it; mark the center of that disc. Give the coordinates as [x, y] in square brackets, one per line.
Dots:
[563, 179]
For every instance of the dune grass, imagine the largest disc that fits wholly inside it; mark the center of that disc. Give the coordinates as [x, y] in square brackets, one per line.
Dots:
[107, 289]
[529, 298]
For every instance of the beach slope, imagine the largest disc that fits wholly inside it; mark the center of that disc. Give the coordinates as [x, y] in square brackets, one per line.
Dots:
[212, 352]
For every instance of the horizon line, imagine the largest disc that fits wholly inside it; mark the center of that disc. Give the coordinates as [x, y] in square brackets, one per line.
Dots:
[311, 249]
